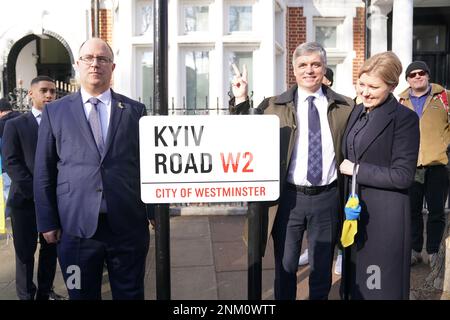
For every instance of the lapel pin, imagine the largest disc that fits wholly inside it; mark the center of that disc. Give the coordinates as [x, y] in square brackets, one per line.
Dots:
[121, 105]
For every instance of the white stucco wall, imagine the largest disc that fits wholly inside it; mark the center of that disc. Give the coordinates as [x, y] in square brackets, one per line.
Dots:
[65, 18]
[26, 66]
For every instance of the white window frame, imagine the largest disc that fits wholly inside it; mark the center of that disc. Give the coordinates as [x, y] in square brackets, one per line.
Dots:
[135, 19]
[137, 53]
[196, 3]
[183, 49]
[226, 11]
[227, 52]
[337, 22]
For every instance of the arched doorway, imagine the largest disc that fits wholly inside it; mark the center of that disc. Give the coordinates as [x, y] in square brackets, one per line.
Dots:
[46, 54]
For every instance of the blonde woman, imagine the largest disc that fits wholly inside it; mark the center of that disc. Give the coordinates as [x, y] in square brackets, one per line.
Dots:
[382, 141]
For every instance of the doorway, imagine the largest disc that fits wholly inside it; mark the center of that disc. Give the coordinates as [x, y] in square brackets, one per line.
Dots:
[33, 55]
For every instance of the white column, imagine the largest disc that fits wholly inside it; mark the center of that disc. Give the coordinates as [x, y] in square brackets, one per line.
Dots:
[219, 70]
[402, 35]
[378, 27]
[173, 63]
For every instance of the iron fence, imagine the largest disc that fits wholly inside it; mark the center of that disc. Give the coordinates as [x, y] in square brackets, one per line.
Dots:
[21, 102]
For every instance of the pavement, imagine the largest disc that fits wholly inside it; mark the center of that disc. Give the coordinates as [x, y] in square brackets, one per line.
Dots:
[208, 261]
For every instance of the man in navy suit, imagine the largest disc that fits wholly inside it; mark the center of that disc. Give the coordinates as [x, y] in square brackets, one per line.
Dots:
[87, 182]
[19, 146]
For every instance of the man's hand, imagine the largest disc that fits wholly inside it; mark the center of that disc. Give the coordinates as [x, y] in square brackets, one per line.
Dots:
[153, 223]
[239, 84]
[52, 236]
[346, 167]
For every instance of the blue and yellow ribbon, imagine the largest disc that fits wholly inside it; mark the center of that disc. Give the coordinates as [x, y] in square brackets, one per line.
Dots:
[350, 227]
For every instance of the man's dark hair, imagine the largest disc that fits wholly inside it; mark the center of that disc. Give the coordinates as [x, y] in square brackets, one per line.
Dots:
[41, 78]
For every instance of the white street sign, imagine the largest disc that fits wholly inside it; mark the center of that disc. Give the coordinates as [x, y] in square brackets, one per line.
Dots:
[209, 158]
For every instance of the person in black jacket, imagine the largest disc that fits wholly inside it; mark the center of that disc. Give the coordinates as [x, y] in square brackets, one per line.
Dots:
[6, 113]
[19, 147]
[382, 141]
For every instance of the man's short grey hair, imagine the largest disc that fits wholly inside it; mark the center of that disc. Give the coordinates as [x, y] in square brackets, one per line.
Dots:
[307, 48]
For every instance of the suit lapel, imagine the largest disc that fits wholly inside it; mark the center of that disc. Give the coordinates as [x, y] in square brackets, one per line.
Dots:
[33, 128]
[77, 109]
[116, 114]
[377, 124]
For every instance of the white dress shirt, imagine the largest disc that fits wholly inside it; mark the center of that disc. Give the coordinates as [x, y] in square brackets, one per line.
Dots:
[104, 107]
[37, 114]
[298, 168]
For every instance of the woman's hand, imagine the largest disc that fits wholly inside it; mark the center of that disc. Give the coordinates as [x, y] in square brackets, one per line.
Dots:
[346, 167]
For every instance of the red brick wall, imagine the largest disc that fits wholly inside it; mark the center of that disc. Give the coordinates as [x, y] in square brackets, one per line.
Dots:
[295, 35]
[358, 41]
[104, 25]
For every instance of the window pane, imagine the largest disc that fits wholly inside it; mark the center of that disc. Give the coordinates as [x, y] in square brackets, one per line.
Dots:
[146, 72]
[144, 18]
[241, 58]
[196, 18]
[326, 36]
[240, 18]
[429, 38]
[197, 79]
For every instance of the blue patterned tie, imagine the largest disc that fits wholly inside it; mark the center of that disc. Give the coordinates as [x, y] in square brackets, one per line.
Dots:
[314, 144]
[96, 127]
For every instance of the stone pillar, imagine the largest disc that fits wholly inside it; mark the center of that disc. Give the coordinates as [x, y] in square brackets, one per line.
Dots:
[402, 35]
[378, 26]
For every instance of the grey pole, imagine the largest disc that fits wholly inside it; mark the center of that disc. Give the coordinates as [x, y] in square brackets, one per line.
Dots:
[96, 18]
[160, 103]
[255, 224]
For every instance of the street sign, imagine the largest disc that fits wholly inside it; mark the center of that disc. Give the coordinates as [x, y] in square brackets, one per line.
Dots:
[229, 158]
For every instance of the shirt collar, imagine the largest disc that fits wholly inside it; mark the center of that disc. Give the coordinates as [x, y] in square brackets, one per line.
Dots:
[303, 95]
[104, 97]
[35, 112]
[425, 94]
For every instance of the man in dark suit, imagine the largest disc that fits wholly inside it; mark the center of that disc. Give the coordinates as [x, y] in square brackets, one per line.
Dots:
[87, 183]
[6, 114]
[312, 121]
[18, 151]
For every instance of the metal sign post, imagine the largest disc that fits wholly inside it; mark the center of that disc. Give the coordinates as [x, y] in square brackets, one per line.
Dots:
[160, 102]
[255, 225]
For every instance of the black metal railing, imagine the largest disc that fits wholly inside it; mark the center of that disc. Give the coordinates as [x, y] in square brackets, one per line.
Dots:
[19, 96]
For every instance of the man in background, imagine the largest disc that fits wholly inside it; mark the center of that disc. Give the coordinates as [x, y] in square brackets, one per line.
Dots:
[18, 151]
[430, 102]
[6, 113]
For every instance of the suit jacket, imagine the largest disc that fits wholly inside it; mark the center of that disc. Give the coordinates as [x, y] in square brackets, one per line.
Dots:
[18, 150]
[339, 109]
[71, 175]
[3, 120]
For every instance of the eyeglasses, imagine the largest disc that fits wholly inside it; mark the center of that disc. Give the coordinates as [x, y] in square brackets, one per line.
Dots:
[100, 59]
[420, 73]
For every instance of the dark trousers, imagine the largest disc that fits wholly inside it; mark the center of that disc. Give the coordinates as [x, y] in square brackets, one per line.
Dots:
[319, 215]
[435, 191]
[82, 261]
[26, 237]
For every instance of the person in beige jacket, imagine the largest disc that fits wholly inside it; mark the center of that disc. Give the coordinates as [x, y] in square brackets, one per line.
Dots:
[430, 102]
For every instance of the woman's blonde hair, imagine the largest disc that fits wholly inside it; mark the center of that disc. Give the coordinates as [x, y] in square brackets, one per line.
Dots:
[385, 65]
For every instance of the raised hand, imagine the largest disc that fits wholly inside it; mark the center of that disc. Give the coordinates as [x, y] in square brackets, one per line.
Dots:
[239, 84]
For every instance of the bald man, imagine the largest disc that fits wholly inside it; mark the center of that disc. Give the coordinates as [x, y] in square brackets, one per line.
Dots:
[87, 185]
